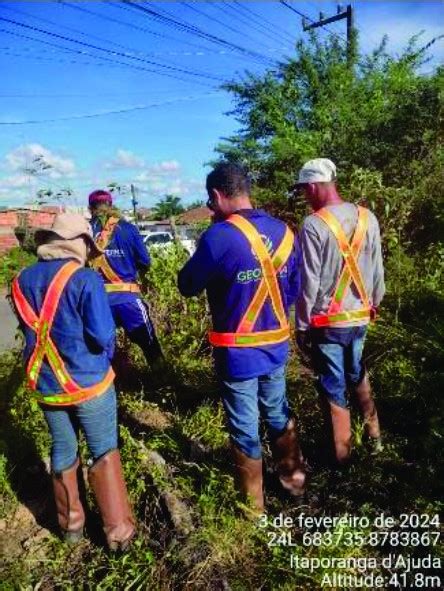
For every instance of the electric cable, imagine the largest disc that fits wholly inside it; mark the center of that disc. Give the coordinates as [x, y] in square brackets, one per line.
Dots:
[103, 58]
[114, 112]
[194, 30]
[255, 23]
[110, 52]
[284, 3]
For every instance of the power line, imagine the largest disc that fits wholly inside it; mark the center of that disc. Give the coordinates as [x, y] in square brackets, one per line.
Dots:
[253, 16]
[332, 25]
[106, 113]
[130, 25]
[193, 30]
[52, 60]
[103, 58]
[78, 95]
[228, 10]
[111, 52]
[89, 35]
[190, 6]
[340, 15]
[309, 18]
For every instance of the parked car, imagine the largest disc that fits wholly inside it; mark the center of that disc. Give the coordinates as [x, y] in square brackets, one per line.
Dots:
[166, 239]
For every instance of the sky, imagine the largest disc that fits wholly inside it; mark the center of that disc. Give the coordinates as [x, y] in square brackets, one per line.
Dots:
[129, 92]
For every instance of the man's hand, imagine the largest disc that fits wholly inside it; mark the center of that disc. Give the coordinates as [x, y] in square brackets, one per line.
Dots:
[303, 342]
[373, 313]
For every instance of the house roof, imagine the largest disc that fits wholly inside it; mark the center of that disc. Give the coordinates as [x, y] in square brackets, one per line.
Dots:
[194, 216]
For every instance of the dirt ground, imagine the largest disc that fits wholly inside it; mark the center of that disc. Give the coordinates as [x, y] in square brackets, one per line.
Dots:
[8, 324]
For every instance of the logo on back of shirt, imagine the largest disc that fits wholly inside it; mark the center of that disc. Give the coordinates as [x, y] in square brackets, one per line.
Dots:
[114, 252]
[256, 274]
[268, 245]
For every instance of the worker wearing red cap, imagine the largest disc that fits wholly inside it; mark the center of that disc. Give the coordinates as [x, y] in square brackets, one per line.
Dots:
[125, 257]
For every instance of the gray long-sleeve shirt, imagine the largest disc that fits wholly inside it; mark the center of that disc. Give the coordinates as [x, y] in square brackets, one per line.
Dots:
[320, 264]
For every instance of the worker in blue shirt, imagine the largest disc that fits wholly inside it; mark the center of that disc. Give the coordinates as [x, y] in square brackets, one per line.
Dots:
[125, 256]
[69, 341]
[245, 261]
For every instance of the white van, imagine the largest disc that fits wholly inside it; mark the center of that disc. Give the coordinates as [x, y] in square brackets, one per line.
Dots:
[165, 239]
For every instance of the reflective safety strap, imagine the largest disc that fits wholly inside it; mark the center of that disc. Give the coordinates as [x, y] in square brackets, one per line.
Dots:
[350, 258]
[104, 237]
[249, 339]
[268, 270]
[27, 314]
[121, 287]
[344, 280]
[81, 395]
[322, 320]
[279, 259]
[45, 346]
[101, 263]
[42, 326]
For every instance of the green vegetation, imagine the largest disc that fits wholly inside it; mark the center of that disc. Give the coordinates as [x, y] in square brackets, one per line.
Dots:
[167, 207]
[380, 124]
[12, 262]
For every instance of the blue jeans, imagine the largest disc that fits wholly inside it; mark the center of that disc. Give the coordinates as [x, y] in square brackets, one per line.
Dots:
[245, 400]
[96, 417]
[337, 358]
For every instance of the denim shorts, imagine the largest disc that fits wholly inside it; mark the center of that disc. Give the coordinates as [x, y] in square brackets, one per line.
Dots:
[248, 399]
[97, 418]
[337, 359]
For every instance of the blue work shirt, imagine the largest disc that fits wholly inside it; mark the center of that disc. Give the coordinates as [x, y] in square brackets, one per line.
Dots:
[126, 253]
[225, 265]
[83, 330]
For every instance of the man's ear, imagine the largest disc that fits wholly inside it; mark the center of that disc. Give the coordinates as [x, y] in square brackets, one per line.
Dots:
[311, 189]
[217, 194]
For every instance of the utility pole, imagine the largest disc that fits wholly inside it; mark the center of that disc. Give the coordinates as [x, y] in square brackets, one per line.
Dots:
[134, 201]
[341, 14]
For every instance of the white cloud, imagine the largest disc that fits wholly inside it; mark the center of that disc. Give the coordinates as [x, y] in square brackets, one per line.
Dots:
[159, 170]
[125, 159]
[17, 181]
[29, 155]
[156, 187]
[165, 167]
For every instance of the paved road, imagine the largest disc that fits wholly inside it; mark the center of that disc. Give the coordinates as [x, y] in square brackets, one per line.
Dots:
[8, 324]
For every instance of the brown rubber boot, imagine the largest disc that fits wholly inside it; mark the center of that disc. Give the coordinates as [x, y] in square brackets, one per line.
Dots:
[70, 513]
[249, 479]
[367, 405]
[289, 461]
[341, 427]
[107, 481]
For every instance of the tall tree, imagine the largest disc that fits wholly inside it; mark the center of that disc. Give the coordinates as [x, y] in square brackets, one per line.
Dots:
[378, 121]
[169, 206]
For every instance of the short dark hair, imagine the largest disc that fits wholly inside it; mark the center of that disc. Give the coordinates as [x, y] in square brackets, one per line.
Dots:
[231, 178]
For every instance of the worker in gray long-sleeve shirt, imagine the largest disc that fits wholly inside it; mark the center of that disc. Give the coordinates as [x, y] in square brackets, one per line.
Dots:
[342, 284]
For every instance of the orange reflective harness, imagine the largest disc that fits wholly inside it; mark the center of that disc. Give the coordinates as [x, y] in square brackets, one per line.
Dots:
[350, 272]
[45, 346]
[268, 287]
[101, 263]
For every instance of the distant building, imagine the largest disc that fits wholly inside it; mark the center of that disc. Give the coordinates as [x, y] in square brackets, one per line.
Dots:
[197, 215]
[16, 222]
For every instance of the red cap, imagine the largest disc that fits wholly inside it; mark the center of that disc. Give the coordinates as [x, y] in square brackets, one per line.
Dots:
[100, 196]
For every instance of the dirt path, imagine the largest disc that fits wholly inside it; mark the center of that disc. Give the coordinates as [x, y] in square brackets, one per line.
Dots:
[8, 324]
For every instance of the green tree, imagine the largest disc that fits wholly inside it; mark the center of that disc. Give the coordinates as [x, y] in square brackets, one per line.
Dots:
[167, 207]
[196, 203]
[378, 120]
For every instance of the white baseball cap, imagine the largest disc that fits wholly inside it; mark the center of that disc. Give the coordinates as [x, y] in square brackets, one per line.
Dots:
[318, 170]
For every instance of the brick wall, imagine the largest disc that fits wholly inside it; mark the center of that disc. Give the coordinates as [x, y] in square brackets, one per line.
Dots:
[9, 220]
